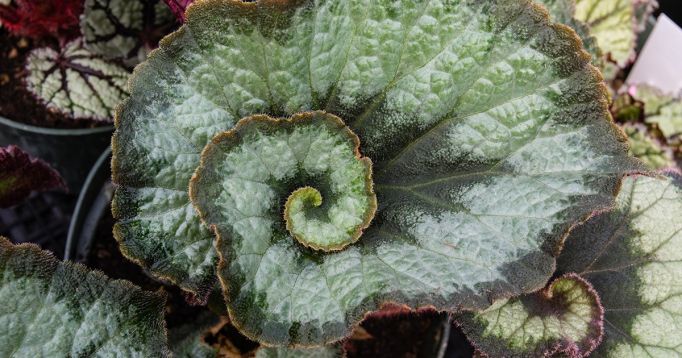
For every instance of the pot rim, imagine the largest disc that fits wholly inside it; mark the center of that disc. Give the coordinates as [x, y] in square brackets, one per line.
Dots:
[55, 131]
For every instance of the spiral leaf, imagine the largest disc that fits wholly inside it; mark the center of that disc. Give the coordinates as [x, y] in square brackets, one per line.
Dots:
[254, 167]
[486, 125]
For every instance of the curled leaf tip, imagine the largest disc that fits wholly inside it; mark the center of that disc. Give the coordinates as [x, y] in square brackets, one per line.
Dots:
[311, 160]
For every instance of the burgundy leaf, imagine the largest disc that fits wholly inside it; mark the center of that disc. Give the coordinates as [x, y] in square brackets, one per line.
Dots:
[178, 7]
[38, 18]
[20, 174]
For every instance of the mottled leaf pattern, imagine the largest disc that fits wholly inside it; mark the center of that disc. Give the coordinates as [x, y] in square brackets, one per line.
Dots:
[565, 318]
[76, 82]
[662, 109]
[20, 174]
[633, 258]
[486, 125]
[125, 29]
[54, 309]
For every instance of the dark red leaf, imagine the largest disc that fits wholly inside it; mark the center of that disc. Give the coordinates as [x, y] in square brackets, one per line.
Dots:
[178, 7]
[20, 174]
[38, 18]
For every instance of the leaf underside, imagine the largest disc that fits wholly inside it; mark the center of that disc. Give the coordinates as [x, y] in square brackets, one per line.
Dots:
[564, 318]
[20, 174]
[76, 82]
[486, 125]
[125, 29]
[53, 309]
[633, 258]
[178, 7]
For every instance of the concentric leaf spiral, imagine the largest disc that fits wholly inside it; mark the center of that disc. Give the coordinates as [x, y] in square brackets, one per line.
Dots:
[486, 125]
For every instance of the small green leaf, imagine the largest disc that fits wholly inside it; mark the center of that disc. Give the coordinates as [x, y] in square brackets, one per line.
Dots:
[20, 174]
[125, 29]
[662, 109]
[614, 24]
[76, 82]
[187, 341]
[486, 124]
[54, 309]
[633, 258]
[647, 148]
[566, 317]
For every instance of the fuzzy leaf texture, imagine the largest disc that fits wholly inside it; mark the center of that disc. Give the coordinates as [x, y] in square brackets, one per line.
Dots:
[566, 318]
[633, 258]
[39, 18]
[20, 174]
[486, 125]
[76, 82]
[54, 309]
[615, 24]
[125, 29]
[563, 11]
[178, 7]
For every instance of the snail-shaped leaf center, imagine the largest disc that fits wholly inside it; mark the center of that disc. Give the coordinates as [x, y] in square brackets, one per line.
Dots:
[303, 174]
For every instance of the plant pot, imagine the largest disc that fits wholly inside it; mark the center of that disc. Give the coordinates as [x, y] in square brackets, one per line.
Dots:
[72, 152]
[93, 201]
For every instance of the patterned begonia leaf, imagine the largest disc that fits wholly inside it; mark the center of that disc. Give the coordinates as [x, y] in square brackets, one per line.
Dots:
[187, 341]
[633, 258]
[76, 82]
[487, 127]
[614, 24]
[126, 29]
[54, 309]
[564, 318]
[264, 160]
[563, 11]
[20, 174]
[647, 148]
[178, 7]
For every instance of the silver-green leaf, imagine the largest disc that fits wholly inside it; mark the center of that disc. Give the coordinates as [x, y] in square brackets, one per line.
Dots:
[486, 124]
[54, 309]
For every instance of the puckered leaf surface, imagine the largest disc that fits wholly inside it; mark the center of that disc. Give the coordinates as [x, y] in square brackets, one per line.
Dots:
[486, 125]
[564, 318]
[20, 174]
[125, 29]
[633, 258]
[75, 81]
[54, 309]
